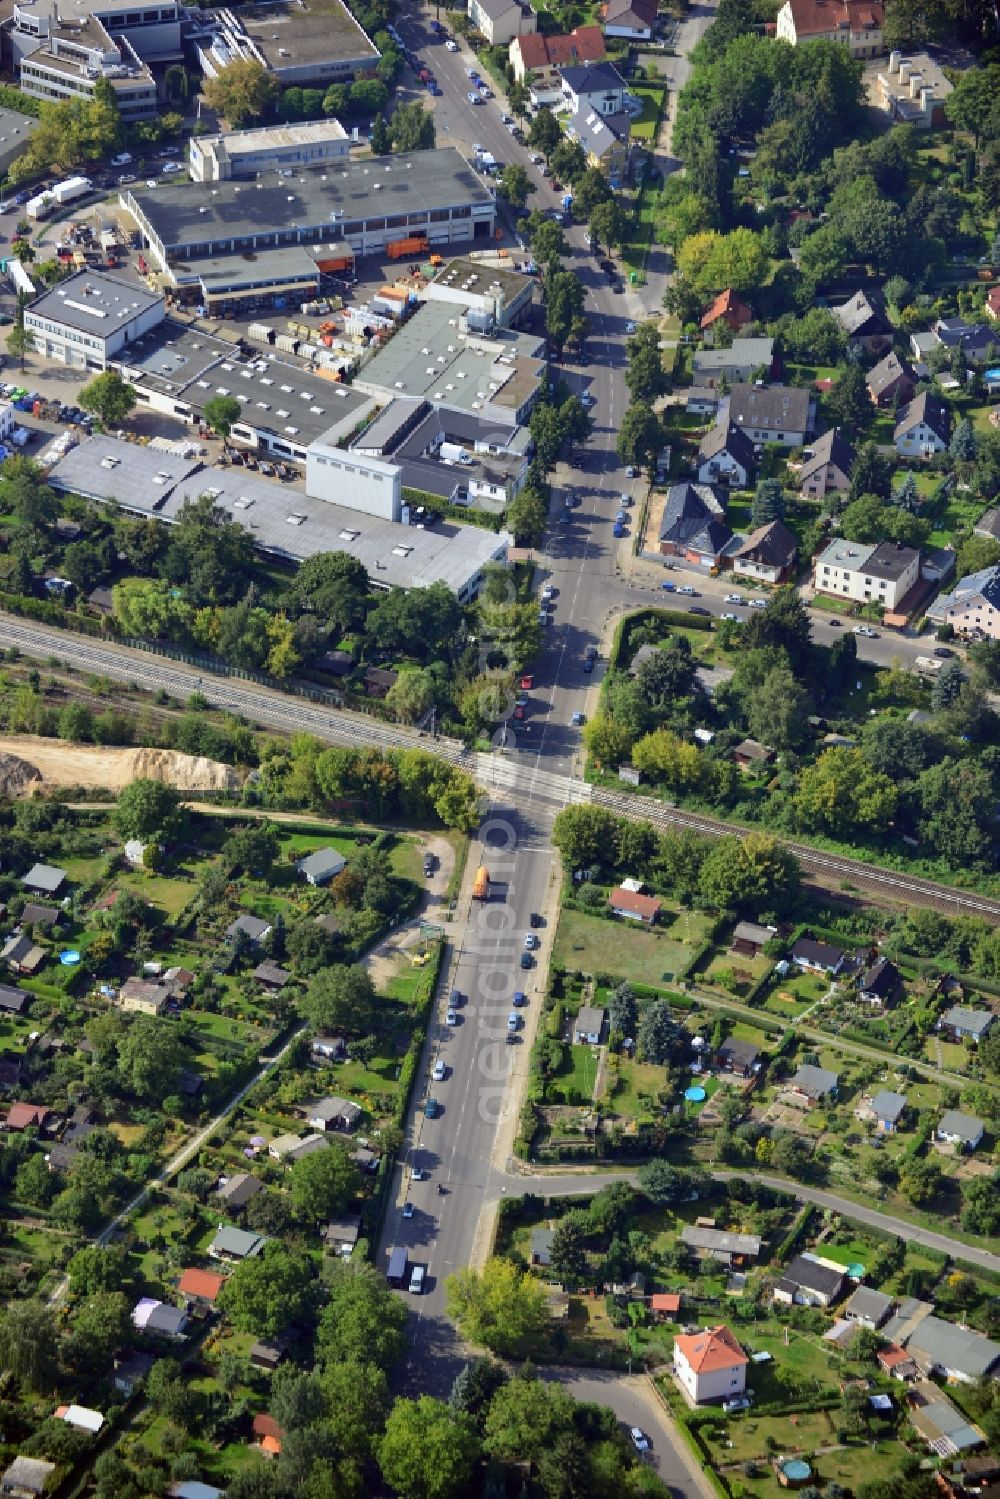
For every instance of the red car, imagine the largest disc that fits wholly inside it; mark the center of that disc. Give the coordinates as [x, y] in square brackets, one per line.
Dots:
[527, 682]
[519, 712]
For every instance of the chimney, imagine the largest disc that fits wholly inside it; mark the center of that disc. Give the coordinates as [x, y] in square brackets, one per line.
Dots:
[905, 69]
[895, 58]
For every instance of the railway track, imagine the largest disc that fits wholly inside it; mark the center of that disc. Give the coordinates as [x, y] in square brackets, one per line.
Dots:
[903, 887]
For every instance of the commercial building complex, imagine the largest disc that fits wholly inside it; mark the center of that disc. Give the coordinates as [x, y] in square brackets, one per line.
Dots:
[451, 455]
[62, 53]
[89, 318]
[285, 523]
[278, 148]
[295, 43]
[912, 90]
[15, 134]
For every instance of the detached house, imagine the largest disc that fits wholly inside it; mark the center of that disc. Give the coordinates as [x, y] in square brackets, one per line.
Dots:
[253, 929]
[814, 1083]
[500, 21]
[333, 1113]
[773, 413]
[809, 1282]
[817, 957]
[879, 984]
[880, 574]
[828, 467]
[596, 86]
[739, 1057]
[633, 19]
[537, 59]
[973, 606]
[727, 308]
[924, 427]
[710, 1364]
[856, 24]
[962, 1023]
[319, 867]
[884, 1110]
[738, 362]
[767, 554]
[725, 456]
[962, 1130]
[890, 380]
[44, 878]
[865, 321]
[634, 906]
[693, 526]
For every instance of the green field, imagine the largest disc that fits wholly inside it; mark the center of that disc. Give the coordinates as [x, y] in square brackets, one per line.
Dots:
[597, 945]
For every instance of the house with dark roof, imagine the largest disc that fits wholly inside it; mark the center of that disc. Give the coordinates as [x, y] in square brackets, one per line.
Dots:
[332, 1113]
[865, 321]
[892, 379]
[594, 87]
[692, 524]
[34, 914]
[964, 1131]
[988, 524]
[26, 1478]
[725, 456]
[782, 414]
[235, 1244]
[855, 24]
[923, 428]
[808, 1282]
[268, 1353]
[978, 341]
[880, 984]
[13, 1001]
[633, 19]
[271, 975]
[727, 308]
[817, 957]
[342, 1233]
[731, 1249]
[828, 467]
[814, 1083]
[884, 1109]
[749, 938]
[252, 928]
[768, 554]
[606, 140]
[963, 1023]
[237, 1190]
[751, 755]
[867, 1307]
[378, 680]
[739, 1057]
[22, 955]
[541, 1246]
[536, 59]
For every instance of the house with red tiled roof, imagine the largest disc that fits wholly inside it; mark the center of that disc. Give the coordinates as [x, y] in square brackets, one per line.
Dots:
[710, 1364]
[539, 58]
[636, 907]
[897, 1362]
[665, 1305]
[856, 23]
[727, 308]
[992, 304]
[268, 1435]
[26, 1116]
[201, 1285]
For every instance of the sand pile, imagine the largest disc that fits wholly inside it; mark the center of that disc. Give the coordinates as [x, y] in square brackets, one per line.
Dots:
[27, 760]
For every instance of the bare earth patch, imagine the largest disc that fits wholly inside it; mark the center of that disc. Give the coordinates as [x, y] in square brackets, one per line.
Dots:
[29, 762]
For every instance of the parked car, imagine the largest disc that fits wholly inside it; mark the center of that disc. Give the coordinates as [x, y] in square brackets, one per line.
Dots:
[407, 1209]
[473, 98]
[439, 1071]
[527, 961]
[640, 1441]
[431, 1108]
[451, 46]
[733, 598]
[530, 941]
[451, 1018]
[520, 999]
[866, 631]
[576, 720]
[729, 615]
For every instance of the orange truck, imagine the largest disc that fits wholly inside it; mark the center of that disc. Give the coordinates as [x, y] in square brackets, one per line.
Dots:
[481, 889]
[401, 249]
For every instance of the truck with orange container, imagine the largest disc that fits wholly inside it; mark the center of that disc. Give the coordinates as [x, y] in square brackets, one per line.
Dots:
[481, 888]
[400, 249]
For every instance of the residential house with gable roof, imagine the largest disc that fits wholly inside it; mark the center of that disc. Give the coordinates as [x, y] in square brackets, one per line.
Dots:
[537, 59]
[710, 1364]
[692, 525]
[632, 19]
[500, 21]
[725, 455]
[923, 428]
[857, 24]
[767, 554]
[892, 379]
[864, 319]
[973, 606]
[727, 308]
[783, 414]
[828, 467]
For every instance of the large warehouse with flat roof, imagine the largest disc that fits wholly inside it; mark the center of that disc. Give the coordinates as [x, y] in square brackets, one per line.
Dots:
[284, 522]
[296, 43]
[369, 203]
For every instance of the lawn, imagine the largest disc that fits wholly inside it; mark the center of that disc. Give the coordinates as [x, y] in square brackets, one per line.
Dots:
[576, 1076]
[636, 253]
[597, 945]
[167, 895]
[634, 1092]
[644, 126]
[724, 963]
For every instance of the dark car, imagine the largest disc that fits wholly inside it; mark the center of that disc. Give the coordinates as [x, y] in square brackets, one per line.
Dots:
[942, 652]
[527, 960]
[697, 609]
[535, 920]
[588, 664]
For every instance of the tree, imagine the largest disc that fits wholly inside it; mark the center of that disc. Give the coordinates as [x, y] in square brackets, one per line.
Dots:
[669, 674]
[501, 1307]
[324, 1183]
[428, 1450]
[340, 998]
[334, 587]
[244, 91]
[296, 1400]
[19, 340]
[640, 436]
[955, 800]
[645, 376]
[920, 1181]
[221, 413]
[381, 142]
[848, 402]
[778, 712]
[841, 790]
[92, 1270]
[29, 1345]
[751, 874]
[660, 1037]
[527, 517]
[100, 1327]
[411, 128]
[357, 1393]
[515, 185]
[609, 224]
[564, 301]
[475, 1385]
[963, 440]
[609, 741]
[147, 809]
[972, 103]
[525, 1417]
[567, 1255]
[250, 850]
[34, 1183]
[545, 133]
[362, 1320]
[871, 474]
[768, 503]
[109, 397]
[663, 1183]
[947, 686]
[411, 696]
[980, 1207]
[150, 1057]
[266, 1294]
[622, 1010]
[583, 835]
[907, 496]
[569, 160]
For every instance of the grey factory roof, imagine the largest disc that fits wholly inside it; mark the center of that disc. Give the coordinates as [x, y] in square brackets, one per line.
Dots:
[430, 356]
[410, 438]
[14, 127]
[93, 302]
[461, 271]
[276, 395]
[275, 266]
[396, 556]
[314, 199]
[289, 34]
[852, 555]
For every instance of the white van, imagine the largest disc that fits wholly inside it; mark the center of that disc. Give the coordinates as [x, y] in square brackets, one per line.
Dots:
[417, 1280]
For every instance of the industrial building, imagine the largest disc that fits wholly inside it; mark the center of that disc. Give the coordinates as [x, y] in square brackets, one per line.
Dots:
[277, 148]
[294, 43]
[437, 356]
[175, 369]
[453, 455]
[285, 523]
[491, 294]
[15, 134]
[61, 53]
[243, 235]
[90, 317]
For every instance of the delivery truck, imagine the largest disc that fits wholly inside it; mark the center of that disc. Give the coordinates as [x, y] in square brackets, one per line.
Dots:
[398, 1266]
[481, 888]
[400, 249]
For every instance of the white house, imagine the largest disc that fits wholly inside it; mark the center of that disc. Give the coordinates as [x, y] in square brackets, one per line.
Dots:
[973, 606]
[771, 413]
[633, 19]
[89, 318]
[725, 454]
[500, 21]
[882, 574]
[855, 23]
[963, 1130]
[597, 88]
[924, 427]
[710, 1364]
